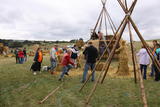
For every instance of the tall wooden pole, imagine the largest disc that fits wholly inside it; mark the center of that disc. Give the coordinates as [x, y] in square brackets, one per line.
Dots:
[132, 50]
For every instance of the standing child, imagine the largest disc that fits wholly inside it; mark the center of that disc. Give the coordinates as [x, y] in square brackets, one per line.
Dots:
[21, 56]
[144, 60]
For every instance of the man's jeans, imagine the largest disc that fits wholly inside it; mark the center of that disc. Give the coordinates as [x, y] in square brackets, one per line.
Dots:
[152, 70]
[143, 70]
[65, 70]
[21, 60]
[53, 64]
[86, 68]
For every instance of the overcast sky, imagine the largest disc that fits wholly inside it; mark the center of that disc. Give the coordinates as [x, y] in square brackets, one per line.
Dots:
[70, 19]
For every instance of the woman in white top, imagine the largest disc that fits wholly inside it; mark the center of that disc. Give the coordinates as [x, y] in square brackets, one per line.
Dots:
[144, 60]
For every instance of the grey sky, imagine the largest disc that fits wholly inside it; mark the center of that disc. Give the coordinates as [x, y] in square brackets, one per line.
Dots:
[70, 19]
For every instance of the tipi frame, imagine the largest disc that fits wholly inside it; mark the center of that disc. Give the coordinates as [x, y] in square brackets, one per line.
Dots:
[127, 20]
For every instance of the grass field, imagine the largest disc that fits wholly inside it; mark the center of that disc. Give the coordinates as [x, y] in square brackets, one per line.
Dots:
[20, 88]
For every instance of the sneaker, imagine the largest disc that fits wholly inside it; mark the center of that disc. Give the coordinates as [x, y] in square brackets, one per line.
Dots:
[92, 80]
[66, 73]
[34, 73]
[82, 81]
[52, 73]
[59, 79]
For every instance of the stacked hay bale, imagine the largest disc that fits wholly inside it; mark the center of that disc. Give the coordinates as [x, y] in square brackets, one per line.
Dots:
[35, 47]
[10, 55]
[80, 60]
[80, 43]
[5, 50]
[59, 66]
[99, 67]
[123, 68]
[31, 53]
[45, 52]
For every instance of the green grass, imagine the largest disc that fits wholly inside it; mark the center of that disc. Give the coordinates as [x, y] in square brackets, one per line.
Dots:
[20, 88]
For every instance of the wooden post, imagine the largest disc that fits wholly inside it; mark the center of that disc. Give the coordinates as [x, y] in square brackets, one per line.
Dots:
[98, 20]
[132, 49]
[42, 101]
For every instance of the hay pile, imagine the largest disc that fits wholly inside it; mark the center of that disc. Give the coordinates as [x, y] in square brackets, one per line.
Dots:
[59, 66]
[45, 52]
[79, 43]
[35, 47]
[31, 53]
[99, 67]
[123, 68]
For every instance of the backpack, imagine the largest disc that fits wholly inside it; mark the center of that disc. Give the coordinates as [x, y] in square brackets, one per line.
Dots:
[74, 55]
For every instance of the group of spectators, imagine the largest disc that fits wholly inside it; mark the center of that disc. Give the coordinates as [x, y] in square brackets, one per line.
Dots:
[144, 61]
[21, 55]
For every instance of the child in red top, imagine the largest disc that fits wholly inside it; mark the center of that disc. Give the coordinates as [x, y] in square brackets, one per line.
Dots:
[67, 64]
[21, 56]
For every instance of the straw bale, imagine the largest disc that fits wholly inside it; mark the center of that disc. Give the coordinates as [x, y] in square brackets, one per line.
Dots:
[1, 45]
[123, 68]
[59, 67]
[99, 67]
[79, 43]
[95, 43]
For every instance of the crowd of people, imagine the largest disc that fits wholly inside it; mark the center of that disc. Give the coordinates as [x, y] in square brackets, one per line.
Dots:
[21, 55]
[144, 61]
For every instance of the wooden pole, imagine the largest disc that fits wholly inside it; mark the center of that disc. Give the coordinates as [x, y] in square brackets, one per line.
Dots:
[98, 20]
[93, 89]
[132, 50]
[143, 95]
[42, 101]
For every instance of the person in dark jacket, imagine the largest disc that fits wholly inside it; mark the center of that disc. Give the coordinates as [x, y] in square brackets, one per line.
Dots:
[91, 55]
[37, 61]
[25, 54]
[157, 73]
[154, 53]
[16, 55]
